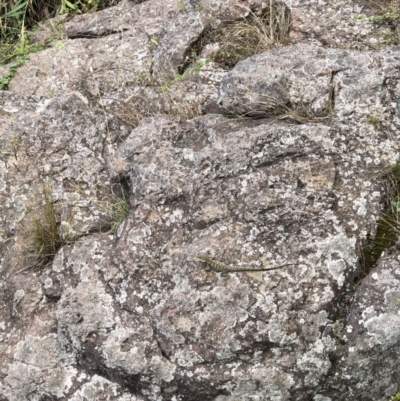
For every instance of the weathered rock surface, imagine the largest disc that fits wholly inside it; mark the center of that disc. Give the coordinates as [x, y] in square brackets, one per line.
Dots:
[133, 315]
[342, 24]
[373, 332]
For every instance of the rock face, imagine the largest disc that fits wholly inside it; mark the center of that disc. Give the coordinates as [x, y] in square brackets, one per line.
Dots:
[373, 334]
[275, 164]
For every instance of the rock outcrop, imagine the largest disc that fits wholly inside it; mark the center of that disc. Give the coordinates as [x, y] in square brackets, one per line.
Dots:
[276, 163]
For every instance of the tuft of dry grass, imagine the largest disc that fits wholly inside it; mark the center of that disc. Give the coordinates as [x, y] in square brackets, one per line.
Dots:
[387, 231]
[117, 209]
[42, 233]
[255, 34]
[386, 5]
[282, 107]
[392, 198]
[170, 98]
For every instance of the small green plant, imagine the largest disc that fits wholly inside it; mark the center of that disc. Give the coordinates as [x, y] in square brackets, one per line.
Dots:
[44, 235]
[200, 63]
[375, 121]
[59, 45]
[396, 206]
[194, 69]
[181, 6]
[154, 40]
[6, 78]
[390, 11]
[16, 54]
[395, 397]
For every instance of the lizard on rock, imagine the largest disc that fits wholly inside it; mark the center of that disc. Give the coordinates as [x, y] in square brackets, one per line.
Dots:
[219, 266]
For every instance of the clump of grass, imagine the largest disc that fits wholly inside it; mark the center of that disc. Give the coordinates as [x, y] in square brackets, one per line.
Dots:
[388, 225]
[375, 121]
[170, 97]
[136, 107]
[117, 209]
[298, 112]
[18, 16]
[392, 214]
[255, 34]
[43, 234]
[281, 106]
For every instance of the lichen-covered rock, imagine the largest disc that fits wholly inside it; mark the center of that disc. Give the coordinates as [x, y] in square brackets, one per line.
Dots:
[134, 315]
[372, 337]
[65, 143]
[172, 49]
[87, 70]
[341, 24]
[305, 81]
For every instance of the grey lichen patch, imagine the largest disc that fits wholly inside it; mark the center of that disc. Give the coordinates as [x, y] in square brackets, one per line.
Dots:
[315, 362]
[372, 330]
[98, 386]
[98, 317]
[383, 329]
[34, 355]
[339, 260]
[268, 382]
[137, 358]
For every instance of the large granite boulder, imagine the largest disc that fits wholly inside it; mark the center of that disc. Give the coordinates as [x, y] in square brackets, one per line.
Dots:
[276, 164]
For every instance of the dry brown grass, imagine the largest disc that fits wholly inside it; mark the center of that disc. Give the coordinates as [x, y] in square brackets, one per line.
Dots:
[237, 41]
[42, 232]
[388, 225]
[392, 198]
[282, 107]
[175, 98]
[385, 5]
[255, 34]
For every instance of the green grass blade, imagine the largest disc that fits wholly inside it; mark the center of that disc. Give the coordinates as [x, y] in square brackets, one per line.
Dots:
[18, 9]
